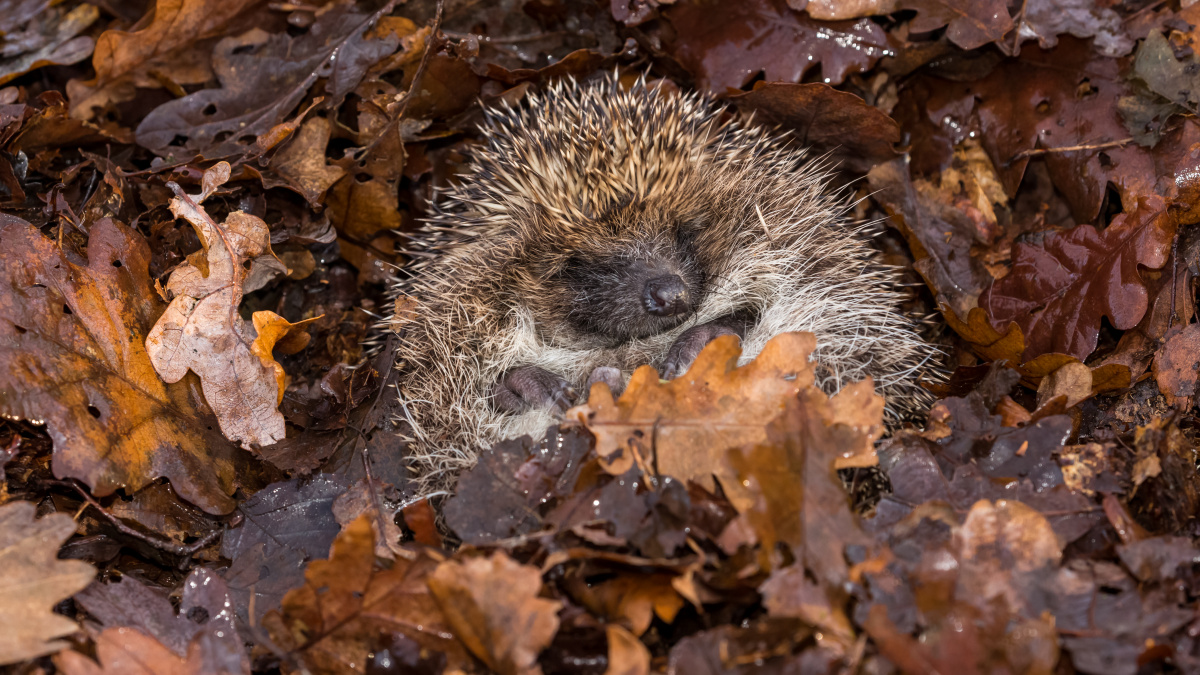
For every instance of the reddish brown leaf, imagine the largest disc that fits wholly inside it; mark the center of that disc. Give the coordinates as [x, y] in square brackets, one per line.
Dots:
[1177, 365]
[127, 651]
[59, 43]
[727, 44]
[824, 119]
[969, 25]
[1058, 291]
[74, 337]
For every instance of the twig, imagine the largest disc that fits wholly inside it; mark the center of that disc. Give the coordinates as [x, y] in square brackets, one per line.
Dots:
[431, 45]
[1070, 148]
[185, 550]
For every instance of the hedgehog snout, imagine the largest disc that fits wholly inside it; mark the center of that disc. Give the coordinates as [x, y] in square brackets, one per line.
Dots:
[666, 296]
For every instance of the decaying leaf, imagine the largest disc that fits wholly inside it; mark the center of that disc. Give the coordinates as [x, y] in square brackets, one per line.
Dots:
[201, 330]
[74, 348]
[60, 43]
[34, 581]
[128, 651]
[492, 605]
[969, 25]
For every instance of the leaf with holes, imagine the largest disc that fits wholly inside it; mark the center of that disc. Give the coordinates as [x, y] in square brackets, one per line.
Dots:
[263, 77]
[72, 338]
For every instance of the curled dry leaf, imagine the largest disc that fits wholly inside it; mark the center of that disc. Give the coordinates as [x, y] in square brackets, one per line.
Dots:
[332, 623]
[626, 654]
[61, 43]
[72, 340]
[492, 605]
[201, 330]
[34, 581]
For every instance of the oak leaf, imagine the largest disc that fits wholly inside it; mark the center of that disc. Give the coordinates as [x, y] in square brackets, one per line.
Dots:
[333, 622]
[34, 581]
[202, 331]
[128, 651]
[969, 25]
[72, 340]
[492, 605]
[60, 42]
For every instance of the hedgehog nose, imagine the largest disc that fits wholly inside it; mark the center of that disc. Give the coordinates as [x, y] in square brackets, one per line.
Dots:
[666, 296]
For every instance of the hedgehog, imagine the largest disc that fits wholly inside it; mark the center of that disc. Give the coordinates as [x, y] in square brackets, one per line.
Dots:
[601, 227]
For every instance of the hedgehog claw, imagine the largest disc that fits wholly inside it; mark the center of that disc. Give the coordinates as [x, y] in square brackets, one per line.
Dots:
[529, 387]
[610, 376]
[690, 343]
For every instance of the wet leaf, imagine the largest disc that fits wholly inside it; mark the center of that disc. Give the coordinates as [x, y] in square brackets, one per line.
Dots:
[969, 25]
[1047, 19]
[34, 581]
[74, 334]
[127, 651]
[728, 44]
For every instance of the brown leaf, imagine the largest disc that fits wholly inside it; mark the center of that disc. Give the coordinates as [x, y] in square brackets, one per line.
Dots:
[332, 623]
[61, 43]
[1059, 291]
[263, 77]
[1047, 19]
[683, 427]
[34, 581]
[833, 10]
[201, 330]
[74, 339]
[1005, 550]
[824, 119]
[173, 46]
[127, 651]
[301, 163]
[969, 25]
[728, 44]
[626, 654]
[1177, 365]
[492, 605]
[1072, 380]
[633, 600]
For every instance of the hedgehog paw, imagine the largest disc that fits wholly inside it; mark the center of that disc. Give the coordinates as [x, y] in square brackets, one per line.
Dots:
[610, 376]
[689, 344]
[528, 387]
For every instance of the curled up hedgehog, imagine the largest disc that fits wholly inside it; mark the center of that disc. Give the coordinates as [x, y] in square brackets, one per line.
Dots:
[603, 228]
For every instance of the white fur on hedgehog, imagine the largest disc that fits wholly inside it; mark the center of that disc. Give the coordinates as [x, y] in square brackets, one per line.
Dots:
[572, 150]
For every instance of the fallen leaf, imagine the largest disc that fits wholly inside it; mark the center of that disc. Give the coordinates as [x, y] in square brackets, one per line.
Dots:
[172, 46]
[726, 45]
[683, 427]
[61, 44]
[1047, 19]
[73, 340]
[128, 651]
[1072, 381]
[492, 605]
[263, 77]
[824, 120]
[333, 621]
[201, 330]
[969, 25]
[34, 581]
[1177, 365]
[626, 654]
[1059, 291]
[301, 163]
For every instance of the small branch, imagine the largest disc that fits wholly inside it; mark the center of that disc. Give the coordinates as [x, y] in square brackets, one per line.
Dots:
[186, 551]
[1070, 148]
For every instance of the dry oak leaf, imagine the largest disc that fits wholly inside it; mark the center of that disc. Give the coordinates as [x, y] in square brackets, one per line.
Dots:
[1177, 365]
[969, 24]
[201, 330]
[128, 651]
[170, 44]
[492, 605]
[626, 654]
[683, 428]
[72, 344]
[33, 581]
[1060, 288]
[332, 623]
[301, 163]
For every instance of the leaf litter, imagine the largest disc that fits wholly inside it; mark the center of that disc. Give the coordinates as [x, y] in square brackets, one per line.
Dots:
[217, 196]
